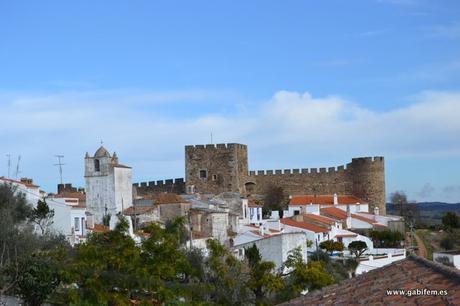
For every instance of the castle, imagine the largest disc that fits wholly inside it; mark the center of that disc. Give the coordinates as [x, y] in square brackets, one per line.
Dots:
[224, 167]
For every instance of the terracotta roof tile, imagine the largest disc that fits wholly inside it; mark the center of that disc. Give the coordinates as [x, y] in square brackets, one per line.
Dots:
[334, 212]
[324, 199]
[304, 225]
[320, 218]
[165, 198]
[138, 210]
[371, 288]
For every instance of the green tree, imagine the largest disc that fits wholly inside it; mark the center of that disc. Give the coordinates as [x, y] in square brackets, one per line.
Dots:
[263, 281]
[357, 248]
[301, 276]
[42, 216]
[447, 243]
[450, 221]
[105, 269]
[38, 278]
[331, 246]
[226, 275]
[275, 199]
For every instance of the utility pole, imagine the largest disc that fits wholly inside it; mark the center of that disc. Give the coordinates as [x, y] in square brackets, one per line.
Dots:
[9, 165]
[60, 164]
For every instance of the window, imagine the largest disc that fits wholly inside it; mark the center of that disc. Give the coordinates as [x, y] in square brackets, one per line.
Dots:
[214, 177]
[203, 174]
[97, 165]
[77, 223]
[296, 212]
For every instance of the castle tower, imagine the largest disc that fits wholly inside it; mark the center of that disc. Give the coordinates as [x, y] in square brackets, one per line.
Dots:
[216, 168]
[108, 184]
[368, 175]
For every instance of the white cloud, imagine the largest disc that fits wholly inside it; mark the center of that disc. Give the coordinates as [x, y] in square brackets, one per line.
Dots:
[145, 130]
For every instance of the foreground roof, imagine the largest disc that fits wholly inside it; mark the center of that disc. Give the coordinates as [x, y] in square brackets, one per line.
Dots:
[371, 288]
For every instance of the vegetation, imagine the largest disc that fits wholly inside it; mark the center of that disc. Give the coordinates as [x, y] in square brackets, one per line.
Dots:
[407, 209]
[451, 221]
[386, 239]
[357, 248]
[331, 246]
[42, 216]
[112, 269]
[275, 199]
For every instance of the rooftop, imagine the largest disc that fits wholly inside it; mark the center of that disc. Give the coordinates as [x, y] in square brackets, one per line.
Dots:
[304, 225]
[324, 200]
[371, 288]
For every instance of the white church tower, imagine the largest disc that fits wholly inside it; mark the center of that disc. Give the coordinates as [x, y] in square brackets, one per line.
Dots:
[108, 184]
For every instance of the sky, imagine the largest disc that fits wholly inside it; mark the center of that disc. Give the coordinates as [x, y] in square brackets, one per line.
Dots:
[303, 83]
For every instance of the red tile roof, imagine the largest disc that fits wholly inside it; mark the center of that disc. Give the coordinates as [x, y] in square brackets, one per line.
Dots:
[371, 288]
[324, 199]
[71, 195]
[100, 228]
[346, 235]
[304, 225]
[27, 184]
[165, 198]
[320, 218]
[139, 210]
[254, 203]
[334, 212]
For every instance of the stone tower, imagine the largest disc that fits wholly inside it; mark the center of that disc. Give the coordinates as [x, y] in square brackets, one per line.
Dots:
[368, 176]
[108, 184]
[216, 168]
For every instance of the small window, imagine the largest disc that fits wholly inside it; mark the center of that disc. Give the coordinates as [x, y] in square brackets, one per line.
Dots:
[77, 223]
[203, 174]
[296, 212]
[97, 165]
[214, 177]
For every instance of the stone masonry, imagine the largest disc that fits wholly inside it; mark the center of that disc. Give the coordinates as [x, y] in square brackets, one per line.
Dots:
[224, 167]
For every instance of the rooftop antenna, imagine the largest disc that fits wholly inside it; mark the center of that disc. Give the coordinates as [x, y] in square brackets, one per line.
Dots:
[211, 137]
[9, 164]
[60, 164]
[17, 167]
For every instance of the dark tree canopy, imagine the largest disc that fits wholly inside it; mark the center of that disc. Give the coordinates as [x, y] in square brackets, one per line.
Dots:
[451, 220]
[357, 247]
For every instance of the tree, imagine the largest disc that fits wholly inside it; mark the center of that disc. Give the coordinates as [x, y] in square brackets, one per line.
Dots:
[303, 276]
[450, 221]
[275, 199]
[226, 275]
[357, 248]
[38, 278]
[331, 246]
[106, 270]
[386, 238]
[407, 209]
[447, 243]
[42, 216]
[263, 282]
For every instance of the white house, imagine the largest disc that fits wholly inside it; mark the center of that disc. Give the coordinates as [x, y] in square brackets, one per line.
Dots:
[453, 257]
[275, 248]
[108, 184]
[25, 186]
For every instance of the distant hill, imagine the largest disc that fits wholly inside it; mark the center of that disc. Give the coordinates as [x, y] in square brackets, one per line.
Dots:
[430, 212]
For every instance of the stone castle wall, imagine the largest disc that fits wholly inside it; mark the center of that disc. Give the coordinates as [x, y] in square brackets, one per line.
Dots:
[172, 185]
[216, 168]
[226, 167]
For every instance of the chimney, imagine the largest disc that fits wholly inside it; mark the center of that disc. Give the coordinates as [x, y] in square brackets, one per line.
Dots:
[376, 211]
[348, 217]
[336, 199]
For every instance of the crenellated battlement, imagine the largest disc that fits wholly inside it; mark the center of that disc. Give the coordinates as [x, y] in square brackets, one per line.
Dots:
[170, 185]
[222, 146]
[300, 172]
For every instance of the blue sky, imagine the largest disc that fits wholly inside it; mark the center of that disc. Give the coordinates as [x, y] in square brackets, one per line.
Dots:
[303, 83]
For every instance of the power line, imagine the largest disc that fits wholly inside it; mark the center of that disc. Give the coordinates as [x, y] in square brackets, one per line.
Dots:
[60, 164]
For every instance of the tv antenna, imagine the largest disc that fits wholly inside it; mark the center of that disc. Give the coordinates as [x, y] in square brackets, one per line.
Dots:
[60, 164]
[9, 165]
[17, 167]
[211, 137]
